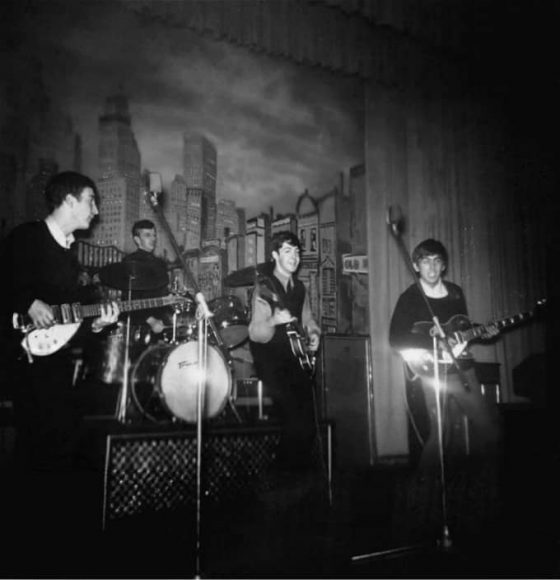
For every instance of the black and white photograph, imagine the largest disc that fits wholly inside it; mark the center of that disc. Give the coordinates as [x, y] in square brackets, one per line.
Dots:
[278, 298]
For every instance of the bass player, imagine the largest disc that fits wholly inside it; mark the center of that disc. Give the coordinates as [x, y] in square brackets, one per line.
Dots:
[279, 305]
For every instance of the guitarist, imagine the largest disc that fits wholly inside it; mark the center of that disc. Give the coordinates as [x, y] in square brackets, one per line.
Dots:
[279, 299]
[41, 270]
[446, 299]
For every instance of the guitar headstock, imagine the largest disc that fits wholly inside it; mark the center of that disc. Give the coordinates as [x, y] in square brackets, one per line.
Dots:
[154, 189]
[540, 307]
[152, 198]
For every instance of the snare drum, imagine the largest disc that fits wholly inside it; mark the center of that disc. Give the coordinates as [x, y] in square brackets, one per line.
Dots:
[164, 382]
[230, 320]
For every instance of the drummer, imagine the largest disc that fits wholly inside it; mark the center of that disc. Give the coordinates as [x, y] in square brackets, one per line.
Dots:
[144, 235]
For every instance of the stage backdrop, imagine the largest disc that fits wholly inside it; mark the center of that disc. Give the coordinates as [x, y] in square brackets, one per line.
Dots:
[464, 167]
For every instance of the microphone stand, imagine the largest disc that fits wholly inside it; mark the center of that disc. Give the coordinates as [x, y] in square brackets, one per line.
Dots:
[123, 399]
[205, 321]
[445, 540]
[437, 332]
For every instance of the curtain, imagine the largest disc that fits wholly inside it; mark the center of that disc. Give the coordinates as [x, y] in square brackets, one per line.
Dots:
[447, 162]
[310, 33]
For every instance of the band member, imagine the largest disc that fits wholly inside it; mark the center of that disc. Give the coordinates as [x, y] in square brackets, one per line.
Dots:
[278, 300]
[459, 382]
[144, 235]
[41, 270]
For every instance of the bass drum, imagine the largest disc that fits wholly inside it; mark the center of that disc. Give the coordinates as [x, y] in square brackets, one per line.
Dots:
[164, 382]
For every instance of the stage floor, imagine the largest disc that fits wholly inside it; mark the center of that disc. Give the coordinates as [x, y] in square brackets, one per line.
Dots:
[381, 522]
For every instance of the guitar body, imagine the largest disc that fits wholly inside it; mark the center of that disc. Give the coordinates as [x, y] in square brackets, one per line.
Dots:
[459, 331]
[299, 350]
[459, 322]
[47, 341]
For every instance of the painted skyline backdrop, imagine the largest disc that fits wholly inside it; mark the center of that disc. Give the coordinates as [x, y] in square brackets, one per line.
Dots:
[277, 128]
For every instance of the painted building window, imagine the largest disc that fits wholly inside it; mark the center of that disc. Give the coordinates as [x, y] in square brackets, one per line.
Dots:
[302, 239]
[328, 281]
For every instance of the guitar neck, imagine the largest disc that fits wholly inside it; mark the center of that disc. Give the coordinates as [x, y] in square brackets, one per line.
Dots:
[71, 313]
[90, 310]
[475, 332]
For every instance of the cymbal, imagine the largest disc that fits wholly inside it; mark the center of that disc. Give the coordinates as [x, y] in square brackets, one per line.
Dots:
[245, 276]
[133, 275]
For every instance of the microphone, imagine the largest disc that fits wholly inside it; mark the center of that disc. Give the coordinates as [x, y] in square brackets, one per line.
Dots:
[395, 219]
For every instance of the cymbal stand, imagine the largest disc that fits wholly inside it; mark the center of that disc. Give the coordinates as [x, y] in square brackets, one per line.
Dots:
[123, 398]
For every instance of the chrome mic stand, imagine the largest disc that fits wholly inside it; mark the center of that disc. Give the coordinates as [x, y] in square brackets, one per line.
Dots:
[445, 540]
[123, 398]
[395, 222]
[203, 315]
[205, 321]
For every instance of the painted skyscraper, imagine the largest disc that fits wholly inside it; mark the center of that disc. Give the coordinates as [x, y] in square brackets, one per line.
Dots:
[200, 169]
[119, 176]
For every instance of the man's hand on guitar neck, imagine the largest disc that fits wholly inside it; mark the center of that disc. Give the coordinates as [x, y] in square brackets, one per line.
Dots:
[109, 315]
[490, 332]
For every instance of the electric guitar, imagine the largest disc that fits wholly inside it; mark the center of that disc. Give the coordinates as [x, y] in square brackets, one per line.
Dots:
[459, 331]
[68, 317]
[296, 334]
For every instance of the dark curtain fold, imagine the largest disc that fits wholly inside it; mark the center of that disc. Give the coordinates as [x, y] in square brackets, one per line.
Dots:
[312, 33]
[448, 164]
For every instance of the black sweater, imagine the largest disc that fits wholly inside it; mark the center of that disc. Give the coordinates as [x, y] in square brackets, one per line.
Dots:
[411, 308]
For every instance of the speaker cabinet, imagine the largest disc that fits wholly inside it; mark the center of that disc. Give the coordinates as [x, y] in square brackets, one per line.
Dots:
[348, 398]
[147, 473]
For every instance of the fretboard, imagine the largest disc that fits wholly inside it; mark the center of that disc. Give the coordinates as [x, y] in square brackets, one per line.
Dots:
[75, 312]
[476, 331]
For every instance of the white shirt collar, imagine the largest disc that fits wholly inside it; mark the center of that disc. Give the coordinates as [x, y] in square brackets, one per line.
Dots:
[61, 238]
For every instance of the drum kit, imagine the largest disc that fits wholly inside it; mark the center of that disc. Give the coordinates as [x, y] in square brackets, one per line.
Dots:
[162, 370]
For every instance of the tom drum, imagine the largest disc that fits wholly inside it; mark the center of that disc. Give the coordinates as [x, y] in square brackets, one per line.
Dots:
[230, 320]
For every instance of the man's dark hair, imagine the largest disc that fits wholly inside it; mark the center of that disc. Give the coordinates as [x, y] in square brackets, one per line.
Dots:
[429, 247]
[142, 225]
[67, 182]
[285, 237]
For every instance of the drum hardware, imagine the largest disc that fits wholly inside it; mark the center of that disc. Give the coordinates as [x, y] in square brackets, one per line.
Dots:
[249, 393]
[122, 402]
[132, 275]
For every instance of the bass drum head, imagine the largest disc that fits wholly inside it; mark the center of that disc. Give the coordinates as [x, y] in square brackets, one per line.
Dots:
[144, 381]
[179, 380]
